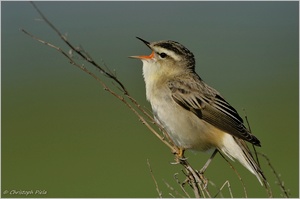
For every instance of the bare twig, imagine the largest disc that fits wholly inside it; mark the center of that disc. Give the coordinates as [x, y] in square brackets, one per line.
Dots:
[83, 55]
[266, 184]
[196, 180]
[237, 173]
[208, 161]
[229, 189]
[249, 128]
[280, 182]
[176, 192]
[155, 182]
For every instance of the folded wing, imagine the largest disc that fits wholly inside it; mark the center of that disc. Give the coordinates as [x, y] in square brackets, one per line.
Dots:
[207, 104]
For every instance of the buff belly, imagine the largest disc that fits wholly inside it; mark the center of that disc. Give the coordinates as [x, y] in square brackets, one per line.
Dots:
[185, 128]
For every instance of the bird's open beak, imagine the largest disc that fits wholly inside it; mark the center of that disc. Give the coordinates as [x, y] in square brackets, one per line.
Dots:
[145, 42]
[144, 56]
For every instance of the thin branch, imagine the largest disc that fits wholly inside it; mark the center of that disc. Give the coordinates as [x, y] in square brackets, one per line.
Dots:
[181, 185]
[85, 56]
[237, 173]
[280, 182]
[249, 128]
[196, 180]
[229, 189]
[266, 184]
[155, 182]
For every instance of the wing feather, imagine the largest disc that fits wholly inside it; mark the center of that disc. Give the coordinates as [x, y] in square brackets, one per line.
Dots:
[207, 104]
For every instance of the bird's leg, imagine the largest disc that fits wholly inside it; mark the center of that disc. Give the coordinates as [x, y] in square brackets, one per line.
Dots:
[208, 162]
[179, 155]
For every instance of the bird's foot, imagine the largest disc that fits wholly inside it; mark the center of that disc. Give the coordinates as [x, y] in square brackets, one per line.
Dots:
[179, 156]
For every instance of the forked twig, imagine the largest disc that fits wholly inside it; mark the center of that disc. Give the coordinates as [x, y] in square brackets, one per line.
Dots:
[229, 189]
[181, 185]
[237, 173]
[196, 180]
[83, 55]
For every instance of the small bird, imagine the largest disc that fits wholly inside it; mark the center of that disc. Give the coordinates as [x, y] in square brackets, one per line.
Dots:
[195, 115]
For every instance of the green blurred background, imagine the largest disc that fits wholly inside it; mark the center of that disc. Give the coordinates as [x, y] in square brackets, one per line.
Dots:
[62, 133]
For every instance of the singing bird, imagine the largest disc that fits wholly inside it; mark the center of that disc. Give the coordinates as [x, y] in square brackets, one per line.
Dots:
[195, 115]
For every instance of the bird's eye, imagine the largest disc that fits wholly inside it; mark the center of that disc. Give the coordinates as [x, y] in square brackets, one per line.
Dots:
[162, 55]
